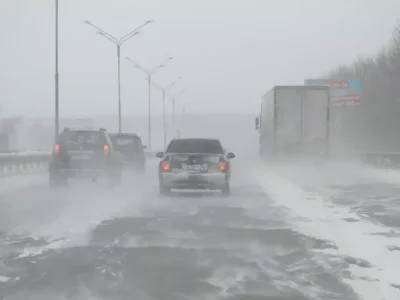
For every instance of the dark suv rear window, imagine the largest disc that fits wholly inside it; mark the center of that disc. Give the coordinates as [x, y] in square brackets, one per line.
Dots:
[127, 143]
[83, 140]
[195, 146]
[82, 137]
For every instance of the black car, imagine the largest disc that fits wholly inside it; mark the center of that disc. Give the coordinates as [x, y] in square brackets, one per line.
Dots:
[195, 163]
[131, 147]
[84, 154]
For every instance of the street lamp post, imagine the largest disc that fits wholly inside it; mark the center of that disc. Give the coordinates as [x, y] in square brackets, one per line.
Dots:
[149, 73]
[119, 43]
[56, 87]
[164, 90]
[173, 107]
[183, 116]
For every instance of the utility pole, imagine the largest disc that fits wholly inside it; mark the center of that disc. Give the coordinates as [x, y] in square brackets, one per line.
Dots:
[163, 90]
[173, 114]
[149, 73]
[56, 77]
[164, 119]
[118, 43]
[149, 110]
[173, 108]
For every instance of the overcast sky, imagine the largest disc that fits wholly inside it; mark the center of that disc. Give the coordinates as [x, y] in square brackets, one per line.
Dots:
[229, 52]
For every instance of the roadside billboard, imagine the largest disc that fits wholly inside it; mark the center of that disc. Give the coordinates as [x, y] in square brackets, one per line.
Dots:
[344, 93]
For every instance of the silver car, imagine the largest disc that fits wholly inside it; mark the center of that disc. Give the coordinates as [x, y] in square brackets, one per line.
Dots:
[195, 163]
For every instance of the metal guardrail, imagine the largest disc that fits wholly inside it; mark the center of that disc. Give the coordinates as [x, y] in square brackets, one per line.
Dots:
[14, 163]
[381, 159]
[22, 162]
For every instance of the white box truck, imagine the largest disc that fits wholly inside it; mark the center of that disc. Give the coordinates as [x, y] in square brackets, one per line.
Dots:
[294, 121]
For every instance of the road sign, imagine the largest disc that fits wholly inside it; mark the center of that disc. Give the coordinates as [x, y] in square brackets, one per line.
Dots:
[344, 93]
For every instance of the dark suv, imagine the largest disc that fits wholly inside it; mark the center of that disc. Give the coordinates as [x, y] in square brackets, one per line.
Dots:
[131, 147]
[84, 153]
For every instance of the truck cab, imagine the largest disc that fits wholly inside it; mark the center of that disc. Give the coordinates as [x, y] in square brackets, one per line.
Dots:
[258, 123]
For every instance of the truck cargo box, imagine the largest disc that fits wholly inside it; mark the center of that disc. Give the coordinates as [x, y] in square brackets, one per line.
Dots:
[295, 121]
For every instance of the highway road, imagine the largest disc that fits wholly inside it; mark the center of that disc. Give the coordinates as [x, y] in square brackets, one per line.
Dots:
[311, 231]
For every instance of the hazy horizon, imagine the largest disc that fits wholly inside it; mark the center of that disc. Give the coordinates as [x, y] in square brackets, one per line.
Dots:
[229, 53]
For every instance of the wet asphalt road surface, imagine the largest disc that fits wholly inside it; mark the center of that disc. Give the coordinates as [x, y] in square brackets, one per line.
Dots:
[91, 242]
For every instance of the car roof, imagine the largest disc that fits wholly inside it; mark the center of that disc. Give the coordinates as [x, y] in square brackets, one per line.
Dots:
[81, 130]
[64, 134]
[77, 129]
[125, 134]
[196, 139]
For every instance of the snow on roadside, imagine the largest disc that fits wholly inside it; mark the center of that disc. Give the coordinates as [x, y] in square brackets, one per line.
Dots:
[360, 240]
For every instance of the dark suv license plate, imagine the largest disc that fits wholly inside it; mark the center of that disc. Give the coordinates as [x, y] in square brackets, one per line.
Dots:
[81, 157]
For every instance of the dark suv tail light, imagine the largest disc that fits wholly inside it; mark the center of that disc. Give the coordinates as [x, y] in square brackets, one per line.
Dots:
[106, 148]
[223, 165]
[56, 148]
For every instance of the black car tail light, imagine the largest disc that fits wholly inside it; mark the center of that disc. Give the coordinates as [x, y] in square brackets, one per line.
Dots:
[56, 148]
[165, 166]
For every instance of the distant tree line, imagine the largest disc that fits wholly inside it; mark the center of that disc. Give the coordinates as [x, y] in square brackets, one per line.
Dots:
[375, 124]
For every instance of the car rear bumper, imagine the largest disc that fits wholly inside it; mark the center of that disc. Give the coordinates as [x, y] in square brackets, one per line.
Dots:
[193, 181]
